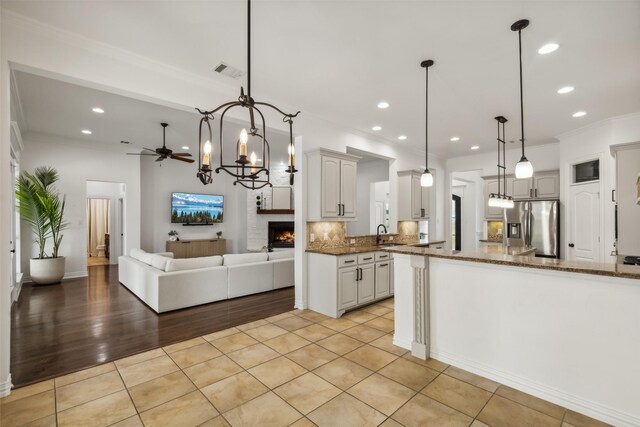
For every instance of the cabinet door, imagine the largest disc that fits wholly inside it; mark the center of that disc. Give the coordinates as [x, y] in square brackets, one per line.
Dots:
[491, 186]
[348, 176]
[416, 197]
[330, 187]
[547, 186]
[426, 201]
[522, 188]
[382, 279]
[392, 281]
[347, 287]
[366, 284]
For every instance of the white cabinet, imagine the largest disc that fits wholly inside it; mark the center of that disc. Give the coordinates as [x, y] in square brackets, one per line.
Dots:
[413, 199]
[344, 282]
[547, 185]
[521, 188]
[491, 187]
[543, 185]
[331, 185]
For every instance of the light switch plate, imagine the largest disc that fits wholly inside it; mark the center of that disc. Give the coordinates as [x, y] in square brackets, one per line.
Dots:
[390, 237]
[312, 237]
[325, 236]
[352, 241]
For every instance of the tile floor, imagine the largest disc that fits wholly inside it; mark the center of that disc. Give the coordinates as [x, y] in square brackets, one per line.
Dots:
[295, 369]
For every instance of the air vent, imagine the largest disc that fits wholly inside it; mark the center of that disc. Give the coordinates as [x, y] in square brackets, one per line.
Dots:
[229, 71]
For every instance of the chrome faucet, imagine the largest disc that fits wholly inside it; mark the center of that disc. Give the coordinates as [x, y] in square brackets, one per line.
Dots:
[378, 238]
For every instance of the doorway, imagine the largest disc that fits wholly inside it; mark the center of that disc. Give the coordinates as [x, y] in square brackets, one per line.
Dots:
[456, 222]
[104, 216]
[584, 222]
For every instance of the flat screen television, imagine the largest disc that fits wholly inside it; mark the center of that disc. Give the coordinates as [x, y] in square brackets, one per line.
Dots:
[196, 209]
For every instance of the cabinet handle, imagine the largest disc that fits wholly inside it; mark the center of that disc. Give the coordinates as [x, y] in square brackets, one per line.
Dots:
[613, 195]
[366, 259]
[536, 192]
[383, 256]
[343, 209]
[360, 274]
[338, 209]
[421, 212]
[349, 261]
[384, 265]
[530, 192]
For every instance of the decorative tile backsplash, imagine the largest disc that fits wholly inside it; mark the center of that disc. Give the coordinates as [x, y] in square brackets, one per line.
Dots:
[337, 238]
[494, 231]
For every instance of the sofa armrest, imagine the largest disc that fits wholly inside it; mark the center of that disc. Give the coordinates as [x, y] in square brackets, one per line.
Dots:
[283, 273]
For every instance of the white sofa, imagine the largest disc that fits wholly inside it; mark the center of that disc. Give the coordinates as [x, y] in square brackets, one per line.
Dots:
[166, 284]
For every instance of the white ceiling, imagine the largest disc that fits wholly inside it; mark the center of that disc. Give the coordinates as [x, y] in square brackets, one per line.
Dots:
[338, 59]
[63, 109]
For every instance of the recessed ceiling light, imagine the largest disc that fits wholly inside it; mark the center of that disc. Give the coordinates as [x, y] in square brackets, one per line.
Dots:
[455, 138]
[548, 48]
[402, 137]
[97, 110]
[382, 105]
[565, 89]
[376, 128]
[184, 147]
[579, 113]
[86, 131]
[475, 147]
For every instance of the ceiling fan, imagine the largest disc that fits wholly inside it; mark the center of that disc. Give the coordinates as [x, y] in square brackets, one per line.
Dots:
[164, 152]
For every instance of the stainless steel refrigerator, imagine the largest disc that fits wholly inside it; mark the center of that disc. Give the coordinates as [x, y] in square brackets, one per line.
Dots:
[534, 223]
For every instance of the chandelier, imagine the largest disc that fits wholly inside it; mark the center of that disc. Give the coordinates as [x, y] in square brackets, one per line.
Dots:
[250, 170]
[501, 200]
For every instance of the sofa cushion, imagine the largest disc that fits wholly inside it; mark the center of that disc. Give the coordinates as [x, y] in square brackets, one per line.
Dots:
[159, 261]
[136, 253]
[181, 264]
[281, 255]
[237, 259]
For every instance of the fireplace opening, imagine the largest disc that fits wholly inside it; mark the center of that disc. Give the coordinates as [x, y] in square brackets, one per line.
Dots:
[281, 234]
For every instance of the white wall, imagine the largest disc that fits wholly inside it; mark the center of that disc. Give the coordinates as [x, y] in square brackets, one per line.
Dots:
[78, 162]
[368, 173]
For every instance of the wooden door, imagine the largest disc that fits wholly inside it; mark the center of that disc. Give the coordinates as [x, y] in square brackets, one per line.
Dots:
[584, 223]
[330, 187]
[348, 177]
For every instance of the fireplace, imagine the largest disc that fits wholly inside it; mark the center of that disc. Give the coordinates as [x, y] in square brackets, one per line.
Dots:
[281, 234]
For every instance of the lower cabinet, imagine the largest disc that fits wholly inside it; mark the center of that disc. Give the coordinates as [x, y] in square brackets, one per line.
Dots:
[347, 287]
[366, 284]
[383, 272]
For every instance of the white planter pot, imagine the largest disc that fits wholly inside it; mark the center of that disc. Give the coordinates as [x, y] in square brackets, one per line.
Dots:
[47, 271]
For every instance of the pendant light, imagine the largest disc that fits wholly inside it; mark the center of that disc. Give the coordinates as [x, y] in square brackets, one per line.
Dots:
[250, 170]
[524, 168]
[426, 180]
[501, 200]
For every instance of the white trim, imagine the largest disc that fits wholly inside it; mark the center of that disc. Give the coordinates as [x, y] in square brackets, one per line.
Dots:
[21, 119]
[300, 305]
[567, 400]
[15, 292]
[67, 275]
[5, 387]
[401, 342]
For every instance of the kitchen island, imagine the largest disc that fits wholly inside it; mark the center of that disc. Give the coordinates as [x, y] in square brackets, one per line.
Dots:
[568, 332]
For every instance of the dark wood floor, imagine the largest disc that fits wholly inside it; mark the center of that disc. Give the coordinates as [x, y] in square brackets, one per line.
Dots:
[83, 322]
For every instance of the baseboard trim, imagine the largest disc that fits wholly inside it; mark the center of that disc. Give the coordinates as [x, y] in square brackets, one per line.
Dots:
[5, 387]
[300, 305]
[69, 275]
[401, 342]
[570, 401]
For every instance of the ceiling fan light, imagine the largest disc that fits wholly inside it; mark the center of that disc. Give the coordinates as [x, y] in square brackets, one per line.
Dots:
[524, 169]
[426, 180]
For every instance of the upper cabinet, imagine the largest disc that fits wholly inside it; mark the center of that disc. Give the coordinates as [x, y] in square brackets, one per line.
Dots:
[413, 199]
[546, 185]
[331, 185]
[543, 185]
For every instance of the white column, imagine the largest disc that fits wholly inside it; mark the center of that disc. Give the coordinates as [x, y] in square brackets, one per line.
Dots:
[420, 287]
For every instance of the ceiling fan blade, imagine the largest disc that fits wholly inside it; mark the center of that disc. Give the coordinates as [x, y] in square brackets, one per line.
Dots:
[142, 154]
[182, 154]
[149, 149]
[182, 159]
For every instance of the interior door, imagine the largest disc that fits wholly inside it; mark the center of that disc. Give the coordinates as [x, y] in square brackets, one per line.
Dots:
[12, 243]
[348, 176]
[584, 223]
[456, 222]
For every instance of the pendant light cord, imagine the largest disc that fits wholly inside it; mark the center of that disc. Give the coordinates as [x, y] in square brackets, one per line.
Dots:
[426, 121]
[249, 50]
[521, 96]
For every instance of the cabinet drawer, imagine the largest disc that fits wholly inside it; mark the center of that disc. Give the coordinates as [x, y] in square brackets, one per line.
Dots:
[367, 258]
[383, 256]
[347, 261]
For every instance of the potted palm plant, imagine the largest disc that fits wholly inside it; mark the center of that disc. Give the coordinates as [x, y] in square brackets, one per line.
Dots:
[41, 206]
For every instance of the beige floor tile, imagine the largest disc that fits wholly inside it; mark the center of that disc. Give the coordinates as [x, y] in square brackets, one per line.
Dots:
[501, 412]
[371, 357]
[160, 390]
[303, 422]
[189, 410]
[563, 425]
[277, 317]
[340, 344]
[266, 332]
[218, 421]
[292, 323]
[83, 391]
[390, 422]
[472, 379]
[478, 423]
[311, 356]
[146, 371]
[385, 395]
[84, 374]
[409, 374]
[252, 356]
[390, 315]
[377, 310]
[184, 344]
[100, 412]
[193, 355]
[307, 392]
[351, 411]
[49, 421]
[385, 343]
[233, 342]
[30, 390]
[267, 410]
[315, 332]
[381, 323]
[313, 316]
[140, 357]
[343, 373]
[212, 371]
[434, 364]
[221, 334]
[252, 325]
[359, 316]
[277, 371]
[287, 343]
[389, 302]
[233, 391]
[134, 421]
[423, 411]
[339, 324]
[364, 333]
[27, 409]
[458, 394]
[579, 420]
[532, 402]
